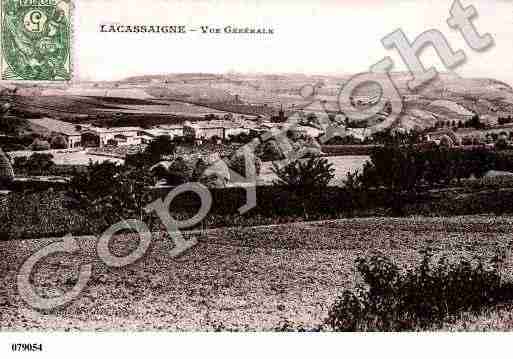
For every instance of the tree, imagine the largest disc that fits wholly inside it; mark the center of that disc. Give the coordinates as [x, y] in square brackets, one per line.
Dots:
[475, 122]
[305, 177]
[242, 137]
[345, 140]
[446, 142]
[154, 152]
[178, 172]
[20, 164]
[107, 193]
[40, 145]
[270, 151]
[199, 169]
[501, 144]
[59, 142]
[6, 171]
[238, 164]
[160, 147]
[94, 182]
[39, 164]
[396, 168]
[216, 139]
[138, 160]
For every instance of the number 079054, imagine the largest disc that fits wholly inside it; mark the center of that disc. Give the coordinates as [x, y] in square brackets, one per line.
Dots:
[18, 347]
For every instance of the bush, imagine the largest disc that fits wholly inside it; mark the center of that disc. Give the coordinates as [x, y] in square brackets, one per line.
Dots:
[40, 215]
[179, 172]
[40, 145]
[306, 178]
[501, 144]
[238, 164]
[409, 168]
[394, 300]
[241, 137]
[309, 174]
[38, 164]
[5, 218]
[159, 148]
[58, 142]
[271, 151]
[345, 140]
[107, 193]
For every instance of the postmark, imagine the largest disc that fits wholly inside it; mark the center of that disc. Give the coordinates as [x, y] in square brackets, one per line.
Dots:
[36, 40]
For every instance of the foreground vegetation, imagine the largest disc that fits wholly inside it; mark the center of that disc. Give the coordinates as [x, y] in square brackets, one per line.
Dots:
[421, 298]
[395, 290]
[398, 181]
[268, 278]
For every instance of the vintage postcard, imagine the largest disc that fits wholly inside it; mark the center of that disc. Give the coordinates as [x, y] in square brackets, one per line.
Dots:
[278, 166]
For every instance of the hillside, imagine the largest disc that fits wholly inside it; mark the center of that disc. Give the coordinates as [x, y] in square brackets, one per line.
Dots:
[448, 98]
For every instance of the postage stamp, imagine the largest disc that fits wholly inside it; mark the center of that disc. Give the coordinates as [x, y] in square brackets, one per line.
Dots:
[36, 40]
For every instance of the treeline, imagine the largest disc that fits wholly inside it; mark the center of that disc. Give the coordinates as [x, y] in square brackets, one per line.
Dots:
[411, 167]
[348, 150]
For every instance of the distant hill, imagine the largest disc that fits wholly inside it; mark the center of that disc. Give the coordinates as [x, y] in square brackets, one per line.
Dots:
[448, 97]
[173, 78]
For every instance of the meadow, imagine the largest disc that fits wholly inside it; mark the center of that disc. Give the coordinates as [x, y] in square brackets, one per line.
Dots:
[262, 278]
[70, 158]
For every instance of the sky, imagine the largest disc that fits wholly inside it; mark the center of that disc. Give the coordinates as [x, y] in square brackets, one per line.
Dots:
[312, 37]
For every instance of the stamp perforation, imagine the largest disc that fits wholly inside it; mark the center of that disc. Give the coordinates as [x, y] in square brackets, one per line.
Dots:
[37, 40]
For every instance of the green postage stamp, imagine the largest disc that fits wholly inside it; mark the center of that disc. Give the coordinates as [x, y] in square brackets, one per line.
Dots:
[36, 40]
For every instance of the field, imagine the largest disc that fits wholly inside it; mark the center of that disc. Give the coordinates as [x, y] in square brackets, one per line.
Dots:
[171, 98]
[241, 279]
[70, 158]
[342, 164]
[69, 106]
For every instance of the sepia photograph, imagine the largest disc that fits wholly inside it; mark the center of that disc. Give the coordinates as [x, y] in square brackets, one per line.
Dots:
[255, 166]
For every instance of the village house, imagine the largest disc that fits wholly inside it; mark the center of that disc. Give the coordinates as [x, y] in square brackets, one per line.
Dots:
[89, 136]
[6, 171]
[306, 131]
[100, 137]
[71, 133]
[172, 130]
[203, 130]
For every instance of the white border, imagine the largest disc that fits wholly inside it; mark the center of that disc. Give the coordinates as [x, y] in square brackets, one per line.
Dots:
[259, 345]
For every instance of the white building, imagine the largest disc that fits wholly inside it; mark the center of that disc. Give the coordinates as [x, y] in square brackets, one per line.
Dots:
[99, 136]
[204, 130]
[70, 132]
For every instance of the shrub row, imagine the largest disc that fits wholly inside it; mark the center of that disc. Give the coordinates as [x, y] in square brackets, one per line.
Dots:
[47, 213]
[408, 168]
[394, 300]
[349, 150]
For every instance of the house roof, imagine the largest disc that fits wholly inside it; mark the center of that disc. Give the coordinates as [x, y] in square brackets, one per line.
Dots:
[156, 132]
[57, 126]
[115, 129]
[308, 129]
[437, 135]
[170, 127]
[210, 124]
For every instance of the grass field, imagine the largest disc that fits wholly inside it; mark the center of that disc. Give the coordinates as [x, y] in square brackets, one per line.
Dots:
[70, 158]
[242, 279]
